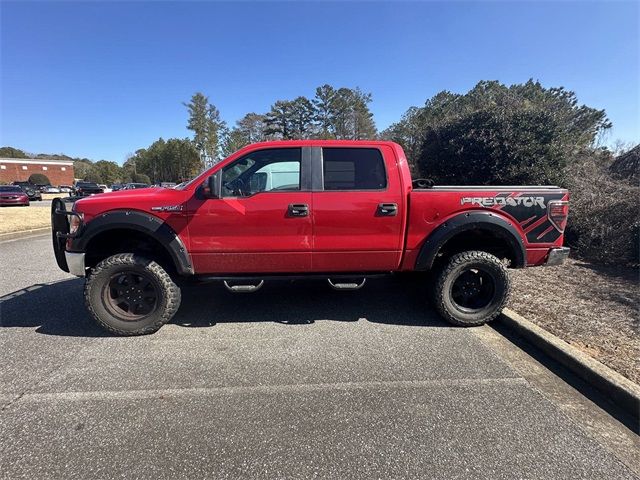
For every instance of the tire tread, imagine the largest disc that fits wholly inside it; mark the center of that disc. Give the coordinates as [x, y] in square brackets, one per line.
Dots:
[170, 290]
[439, 292]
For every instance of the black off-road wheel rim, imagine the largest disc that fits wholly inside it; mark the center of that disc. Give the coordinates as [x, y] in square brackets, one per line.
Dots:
[473, 290]
[131, 295]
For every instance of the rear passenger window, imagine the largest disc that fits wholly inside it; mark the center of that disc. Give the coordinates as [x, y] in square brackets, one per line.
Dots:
[353, 169]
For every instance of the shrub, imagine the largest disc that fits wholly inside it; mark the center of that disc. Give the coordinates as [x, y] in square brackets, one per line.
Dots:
[604, 218]
[39, 179]
[497, 134]
[140, 178]
[627, 165]
[10, 152]
[93, 175]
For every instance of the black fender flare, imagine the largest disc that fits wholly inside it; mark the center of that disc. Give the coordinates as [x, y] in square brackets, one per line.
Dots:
[487, 221]
[141, 222]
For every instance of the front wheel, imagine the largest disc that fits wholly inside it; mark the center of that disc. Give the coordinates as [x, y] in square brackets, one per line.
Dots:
[472, 288]
[131, 295]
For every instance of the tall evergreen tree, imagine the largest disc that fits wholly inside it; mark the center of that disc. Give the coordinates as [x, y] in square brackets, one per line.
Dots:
[278, 121]
[363, 126]
[249, 129]
[252, 127]
[301, 118]
[208, 127]
[351, 117]
[323, 104]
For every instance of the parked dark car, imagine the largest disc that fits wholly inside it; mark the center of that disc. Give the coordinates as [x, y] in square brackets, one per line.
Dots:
[13, 195]
[116, 186]
[33, 193]
[31, 190]
[86, 189]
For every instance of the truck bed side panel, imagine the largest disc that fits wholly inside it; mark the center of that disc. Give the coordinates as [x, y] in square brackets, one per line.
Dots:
[525, 209]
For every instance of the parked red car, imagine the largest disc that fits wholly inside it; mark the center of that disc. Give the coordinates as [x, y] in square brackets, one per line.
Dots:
[13, 195]
[337, 210]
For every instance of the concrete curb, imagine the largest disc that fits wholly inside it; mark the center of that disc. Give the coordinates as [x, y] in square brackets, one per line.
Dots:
[24, 233]
[621, 390]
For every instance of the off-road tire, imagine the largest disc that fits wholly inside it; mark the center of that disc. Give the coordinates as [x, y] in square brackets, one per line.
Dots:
[99, 278]
[442, 291]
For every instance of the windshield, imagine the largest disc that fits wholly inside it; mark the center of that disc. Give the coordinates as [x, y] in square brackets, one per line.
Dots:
[9, 188]
[183, 185]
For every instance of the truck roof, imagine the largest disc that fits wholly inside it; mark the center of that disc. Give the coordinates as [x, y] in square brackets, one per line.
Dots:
[321, 143]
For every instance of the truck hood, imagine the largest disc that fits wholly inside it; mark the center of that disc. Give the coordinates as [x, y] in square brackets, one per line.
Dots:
[124, 195]
[140, 199]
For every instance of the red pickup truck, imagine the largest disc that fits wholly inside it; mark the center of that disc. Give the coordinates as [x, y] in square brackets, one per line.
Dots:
[340, 210]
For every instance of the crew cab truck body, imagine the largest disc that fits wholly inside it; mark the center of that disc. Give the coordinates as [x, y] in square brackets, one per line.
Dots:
[334, 209]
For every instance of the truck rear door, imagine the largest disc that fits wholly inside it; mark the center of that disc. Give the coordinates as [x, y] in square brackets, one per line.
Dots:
[358, 209]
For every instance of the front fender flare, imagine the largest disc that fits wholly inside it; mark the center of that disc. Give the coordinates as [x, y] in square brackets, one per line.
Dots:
[487, 221]
[141, 222]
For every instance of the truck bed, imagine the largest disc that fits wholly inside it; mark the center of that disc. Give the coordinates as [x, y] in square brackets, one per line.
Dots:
[525, 207]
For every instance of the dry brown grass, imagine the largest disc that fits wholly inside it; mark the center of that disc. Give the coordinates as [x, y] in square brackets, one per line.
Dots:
[51, 196]
[592, 307]
[17, 219]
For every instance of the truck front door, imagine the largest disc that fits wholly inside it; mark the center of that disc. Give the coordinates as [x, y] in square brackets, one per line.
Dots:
[263, 221]
[358, 210]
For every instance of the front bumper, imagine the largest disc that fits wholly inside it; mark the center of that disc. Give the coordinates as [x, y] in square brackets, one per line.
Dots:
[557, 256]
[60, 230]
[14, 201]
[75, 263]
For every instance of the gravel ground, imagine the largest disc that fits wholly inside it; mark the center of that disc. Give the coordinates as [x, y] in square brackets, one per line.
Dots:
[592, 307]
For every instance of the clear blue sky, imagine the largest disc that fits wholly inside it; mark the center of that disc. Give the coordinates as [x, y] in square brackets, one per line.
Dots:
[102, 79]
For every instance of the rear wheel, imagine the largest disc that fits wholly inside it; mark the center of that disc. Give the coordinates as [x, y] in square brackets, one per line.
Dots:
[131, 295]
[472, 288]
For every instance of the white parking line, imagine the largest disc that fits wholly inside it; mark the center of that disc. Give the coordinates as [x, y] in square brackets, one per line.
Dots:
[214, 391]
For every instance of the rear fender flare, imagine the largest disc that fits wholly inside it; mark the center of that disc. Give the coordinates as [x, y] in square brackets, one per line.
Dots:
[486, 221]
[141, 222]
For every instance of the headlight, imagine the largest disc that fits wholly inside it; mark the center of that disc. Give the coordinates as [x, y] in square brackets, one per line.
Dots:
[75, 221]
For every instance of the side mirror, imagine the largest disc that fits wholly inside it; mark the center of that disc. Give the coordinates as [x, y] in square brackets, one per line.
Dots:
[214, 186]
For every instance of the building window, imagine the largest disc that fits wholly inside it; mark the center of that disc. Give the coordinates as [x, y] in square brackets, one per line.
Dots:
[64, 169]
[44, 168]
[24, 167]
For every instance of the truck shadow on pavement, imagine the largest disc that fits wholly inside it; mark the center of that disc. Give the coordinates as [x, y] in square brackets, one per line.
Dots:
[58, 308]
[381, 300]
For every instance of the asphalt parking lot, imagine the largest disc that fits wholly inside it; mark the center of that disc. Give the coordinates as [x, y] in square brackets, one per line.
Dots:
[294, 381]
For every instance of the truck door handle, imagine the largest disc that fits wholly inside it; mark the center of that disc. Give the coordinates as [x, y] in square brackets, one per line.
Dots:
[387, 209]
[298, 210]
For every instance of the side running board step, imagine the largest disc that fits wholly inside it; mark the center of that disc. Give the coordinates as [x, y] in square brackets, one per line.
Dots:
[344, 285]
[243, 288]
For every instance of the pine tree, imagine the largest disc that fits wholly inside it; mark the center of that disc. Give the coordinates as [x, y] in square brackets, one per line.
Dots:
[278, 121]
[208, 127]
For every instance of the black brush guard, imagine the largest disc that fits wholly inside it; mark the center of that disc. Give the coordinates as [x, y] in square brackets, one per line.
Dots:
[60, 230]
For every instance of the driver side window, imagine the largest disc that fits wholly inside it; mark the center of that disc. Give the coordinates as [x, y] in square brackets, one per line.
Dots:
[269, 170]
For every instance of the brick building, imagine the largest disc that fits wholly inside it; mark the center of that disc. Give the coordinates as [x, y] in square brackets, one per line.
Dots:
[59, 172]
